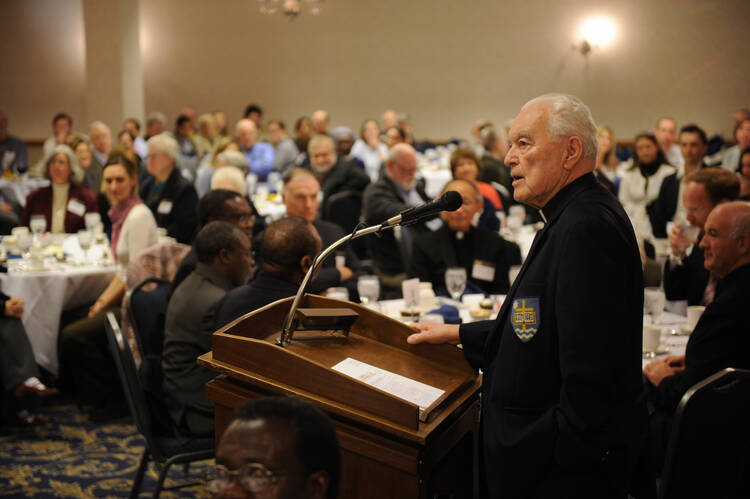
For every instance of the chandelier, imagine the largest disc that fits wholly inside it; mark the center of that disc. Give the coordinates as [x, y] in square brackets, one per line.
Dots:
[290, 8]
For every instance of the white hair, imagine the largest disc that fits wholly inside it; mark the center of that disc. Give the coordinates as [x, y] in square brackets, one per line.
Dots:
[166, 144]
[76, 172]
[231, 178]
[102, 125]
[232, 158]
[568, 116]
[156, 117]
[741, 221]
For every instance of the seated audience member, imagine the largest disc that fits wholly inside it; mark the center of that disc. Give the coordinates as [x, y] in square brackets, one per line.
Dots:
[62, 128]
[665, 134]
[396, 190]
[693, 146]
[731, 156]
[743, 172]
[229, 177]
[285, 151]
[303, 130]
[13, 154]
[300, 196]
[223, 205]
[206, 136]
[155, 125]
[221, 125]
[210, 162]
[606, 160]
[269, 436]
[86, 362]
[319, 122]
[465, 165]
[64, 202]
[389, 119]
[720, 339]
[393, 135]
[19, 374]
[190, 151]
[170, 196]
[641, 183]
[492, 168]
[82, 149]
[254, 113]
[485, 255]
[224, 262]
[133, 126]
[404, 122]
[685, 276]
[260, 155]
[289, 247]
[101, 142]
[369, 150]
[334, 173]
[344, 138]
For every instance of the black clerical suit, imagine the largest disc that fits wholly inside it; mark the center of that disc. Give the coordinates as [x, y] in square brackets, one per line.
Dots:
[485, 255]
[688, 280]
[259, 292]
[562, 362]
[175, 207]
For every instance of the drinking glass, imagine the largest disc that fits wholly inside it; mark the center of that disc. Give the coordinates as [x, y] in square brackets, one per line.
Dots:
[24, 242]
[455, 281]
[368, 288]
[85, 238]
[654, 301]
[92, 220]
[38, 224]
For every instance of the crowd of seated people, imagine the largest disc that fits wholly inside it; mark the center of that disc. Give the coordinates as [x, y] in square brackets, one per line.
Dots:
[196, 183]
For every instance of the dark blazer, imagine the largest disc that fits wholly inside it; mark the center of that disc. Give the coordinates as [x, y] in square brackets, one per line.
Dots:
[380, 202]
[687, 281]
[181, 219]
[39, 202]
[434, 252]
[561, 415]
[662, 209]
[345, 175]
[259, 292]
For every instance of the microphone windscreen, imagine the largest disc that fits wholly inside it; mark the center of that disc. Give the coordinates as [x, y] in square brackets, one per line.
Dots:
[451, 200]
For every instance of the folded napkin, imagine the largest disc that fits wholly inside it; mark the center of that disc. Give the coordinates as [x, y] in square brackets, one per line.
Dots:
[449, 313]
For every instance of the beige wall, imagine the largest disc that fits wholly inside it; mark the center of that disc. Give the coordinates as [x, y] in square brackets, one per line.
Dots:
[446, 63]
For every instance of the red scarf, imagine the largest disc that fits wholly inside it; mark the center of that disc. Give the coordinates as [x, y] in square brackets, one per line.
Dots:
[117, 214]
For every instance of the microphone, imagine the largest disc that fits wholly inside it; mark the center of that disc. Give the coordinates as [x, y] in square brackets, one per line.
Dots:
[449, 201]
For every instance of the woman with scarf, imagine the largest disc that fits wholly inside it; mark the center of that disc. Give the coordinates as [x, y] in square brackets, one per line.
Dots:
[641, 183]
[86, 368]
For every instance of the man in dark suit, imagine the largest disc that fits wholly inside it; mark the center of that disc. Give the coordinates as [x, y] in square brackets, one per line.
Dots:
[334, 173]
[289, 247]
[720, 339]
[685, 277]
[396, 190]
[561, 415]
[485, 255]
[224, 262]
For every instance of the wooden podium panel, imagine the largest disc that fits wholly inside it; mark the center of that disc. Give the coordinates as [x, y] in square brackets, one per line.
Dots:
[389, 447]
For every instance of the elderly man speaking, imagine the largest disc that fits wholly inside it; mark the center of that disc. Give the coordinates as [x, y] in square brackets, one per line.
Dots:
[562, 361]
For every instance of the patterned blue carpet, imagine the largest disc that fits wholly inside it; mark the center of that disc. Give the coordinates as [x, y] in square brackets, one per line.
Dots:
[72, 457]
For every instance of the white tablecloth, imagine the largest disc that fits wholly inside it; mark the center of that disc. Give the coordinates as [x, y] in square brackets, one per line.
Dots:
[46, 294]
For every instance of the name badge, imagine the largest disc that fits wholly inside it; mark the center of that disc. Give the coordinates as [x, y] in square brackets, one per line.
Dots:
[483, 271]
[340, 261]
[76, 207]
[165, 207]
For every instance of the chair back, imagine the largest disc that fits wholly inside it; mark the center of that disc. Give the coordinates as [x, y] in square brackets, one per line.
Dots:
[147, 305]
[131, 384]
[344, 209]
[709, 446]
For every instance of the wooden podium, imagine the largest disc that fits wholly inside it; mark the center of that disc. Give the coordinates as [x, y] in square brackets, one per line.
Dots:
[389, 447]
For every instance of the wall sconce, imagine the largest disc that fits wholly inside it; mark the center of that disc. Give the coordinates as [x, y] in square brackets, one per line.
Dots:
[595, 33]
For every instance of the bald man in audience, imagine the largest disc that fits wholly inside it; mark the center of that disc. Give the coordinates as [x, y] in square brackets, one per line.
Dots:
[396, 190]
[720, 339]
[101, 142]
[334, 174]
[224, 262]
[290, 246]
[260, 155]
[685, 277]
[300, 195]
[485, 255]
[320, 121]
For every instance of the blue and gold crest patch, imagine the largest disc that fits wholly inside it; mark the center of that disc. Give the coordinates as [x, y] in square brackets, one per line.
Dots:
[525, 318]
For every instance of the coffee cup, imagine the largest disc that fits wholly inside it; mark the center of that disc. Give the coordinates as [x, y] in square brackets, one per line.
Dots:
[694, 314]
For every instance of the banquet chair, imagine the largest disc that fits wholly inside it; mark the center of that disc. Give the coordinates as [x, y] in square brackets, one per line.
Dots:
[708, 454]
[163, 450]
[344, 208]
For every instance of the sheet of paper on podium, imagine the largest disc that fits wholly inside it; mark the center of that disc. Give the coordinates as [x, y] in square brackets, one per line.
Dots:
[408, 389]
